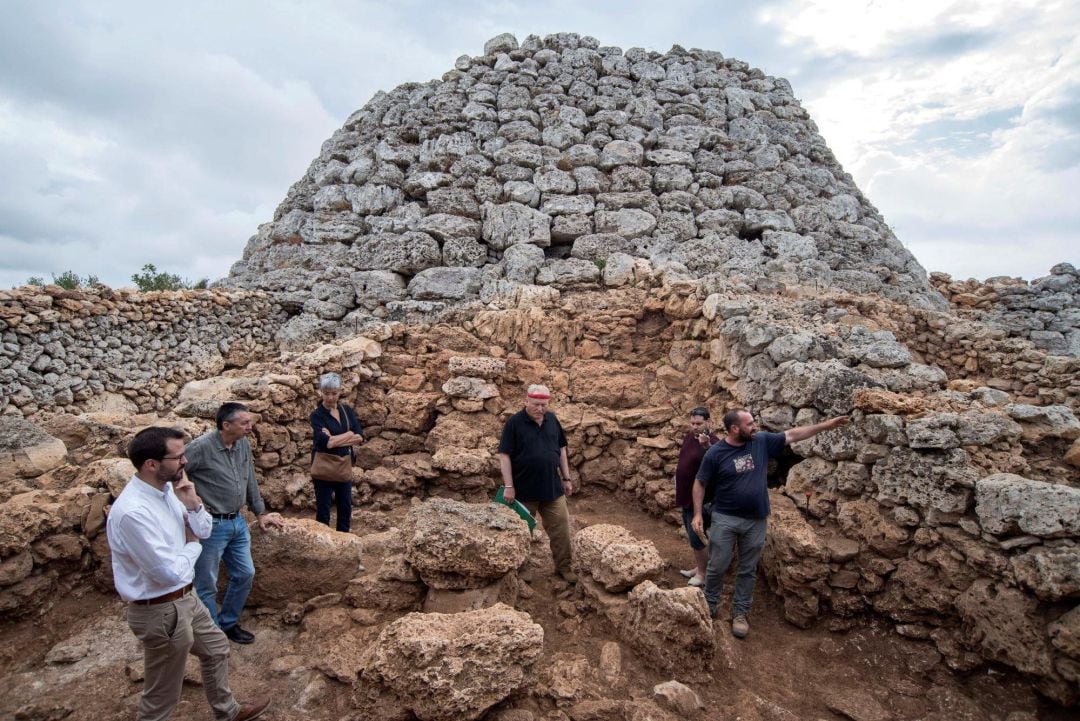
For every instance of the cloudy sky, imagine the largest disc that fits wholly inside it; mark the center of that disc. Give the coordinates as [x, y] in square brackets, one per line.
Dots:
[131, 135]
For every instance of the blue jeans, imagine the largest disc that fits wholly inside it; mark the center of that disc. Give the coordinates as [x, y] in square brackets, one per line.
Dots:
[333, 493]
[727, 531]
[230, 541]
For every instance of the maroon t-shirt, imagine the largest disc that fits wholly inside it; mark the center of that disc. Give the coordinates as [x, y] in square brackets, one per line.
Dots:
[690, 456]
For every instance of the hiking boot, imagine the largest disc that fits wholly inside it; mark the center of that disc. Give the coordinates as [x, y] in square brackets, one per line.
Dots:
[740, 627]
[253, 710]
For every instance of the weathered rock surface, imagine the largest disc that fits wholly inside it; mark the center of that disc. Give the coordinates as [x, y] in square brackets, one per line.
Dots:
[670, 630]
[450, 666]
[27, 451]
[614, 557]
[1006, 503]
[455, 545]
[304, 560]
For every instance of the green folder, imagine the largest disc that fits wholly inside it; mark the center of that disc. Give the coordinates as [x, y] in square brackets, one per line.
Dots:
[518, 507]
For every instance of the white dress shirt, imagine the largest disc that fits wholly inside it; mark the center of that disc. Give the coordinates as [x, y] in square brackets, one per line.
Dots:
[150, 553]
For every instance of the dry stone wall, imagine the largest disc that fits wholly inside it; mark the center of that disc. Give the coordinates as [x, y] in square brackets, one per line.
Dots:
[558, 164]
[1045, 311]
[76, 350]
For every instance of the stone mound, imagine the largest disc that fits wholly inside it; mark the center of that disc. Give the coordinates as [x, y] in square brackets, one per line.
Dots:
[557, 165]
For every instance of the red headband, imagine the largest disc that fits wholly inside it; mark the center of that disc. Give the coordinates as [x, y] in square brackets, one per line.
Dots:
[539, 395]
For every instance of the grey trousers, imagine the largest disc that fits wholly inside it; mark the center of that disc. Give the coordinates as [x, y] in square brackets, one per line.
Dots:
[169, 632]
[725, 534]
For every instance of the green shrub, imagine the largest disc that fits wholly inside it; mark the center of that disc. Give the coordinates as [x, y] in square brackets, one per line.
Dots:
[152, 279]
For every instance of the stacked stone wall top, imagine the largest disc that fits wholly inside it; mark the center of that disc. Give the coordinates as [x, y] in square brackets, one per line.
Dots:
[100, 349]
[1045, 311]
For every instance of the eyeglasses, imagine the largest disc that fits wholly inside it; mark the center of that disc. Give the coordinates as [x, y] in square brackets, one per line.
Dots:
[182, 456]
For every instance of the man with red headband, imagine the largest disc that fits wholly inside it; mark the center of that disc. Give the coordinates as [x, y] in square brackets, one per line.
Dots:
[535, 471]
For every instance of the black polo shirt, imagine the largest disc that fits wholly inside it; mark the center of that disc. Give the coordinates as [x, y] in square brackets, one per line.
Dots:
[534, 452]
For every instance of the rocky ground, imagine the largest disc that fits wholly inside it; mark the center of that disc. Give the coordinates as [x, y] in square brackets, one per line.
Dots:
[79, 660]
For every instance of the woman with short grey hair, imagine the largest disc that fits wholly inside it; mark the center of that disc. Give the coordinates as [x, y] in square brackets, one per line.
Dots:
[335, 433]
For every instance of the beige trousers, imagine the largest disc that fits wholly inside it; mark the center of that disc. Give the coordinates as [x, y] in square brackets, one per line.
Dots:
[169, 632]
[556, 519]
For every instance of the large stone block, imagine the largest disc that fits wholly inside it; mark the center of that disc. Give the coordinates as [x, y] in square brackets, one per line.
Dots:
[27, 451]
[932, 480]
[615, 558]
[512, 223]
[408, 253]
[670, 629]
[304, 560]
[445, 667]
[1009, 504]
[459, 545]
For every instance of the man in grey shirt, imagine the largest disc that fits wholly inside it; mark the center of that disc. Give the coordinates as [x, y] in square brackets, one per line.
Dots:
[220, 465]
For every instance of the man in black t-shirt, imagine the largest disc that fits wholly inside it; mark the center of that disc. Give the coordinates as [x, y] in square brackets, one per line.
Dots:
[733, 475]
[536, 472]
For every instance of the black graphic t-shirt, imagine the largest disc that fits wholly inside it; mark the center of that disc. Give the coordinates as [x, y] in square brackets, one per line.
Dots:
[735, 476]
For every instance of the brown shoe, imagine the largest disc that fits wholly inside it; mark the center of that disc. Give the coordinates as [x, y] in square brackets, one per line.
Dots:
[568, 576]
[252, 710]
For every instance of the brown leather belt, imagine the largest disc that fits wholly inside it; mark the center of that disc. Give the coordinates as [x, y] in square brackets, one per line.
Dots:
[170, 596]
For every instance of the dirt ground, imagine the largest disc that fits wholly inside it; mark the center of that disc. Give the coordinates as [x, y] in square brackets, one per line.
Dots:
[79, 660]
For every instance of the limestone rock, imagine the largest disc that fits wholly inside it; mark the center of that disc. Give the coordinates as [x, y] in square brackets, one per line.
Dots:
[26, 517]
[678, 697]
[1007, 504]
[469, 387]
[932, 480]
[445, 283]
[457, 545]
[512, 223]
[304, 560]
[1041, 422]
[1000, 621]
[614, 557]
[395, 586]
[333, 644]
[408, 253]
[451, 666]
[27, 451]
[477, 366]
[1052, 572]
[670, 630]
[795, 560]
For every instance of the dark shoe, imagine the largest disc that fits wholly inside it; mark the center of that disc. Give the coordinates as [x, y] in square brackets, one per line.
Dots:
[740, 627]
[568, 576]
[251, 710]
[237, 634]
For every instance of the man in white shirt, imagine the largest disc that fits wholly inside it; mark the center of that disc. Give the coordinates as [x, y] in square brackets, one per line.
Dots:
[154, 529]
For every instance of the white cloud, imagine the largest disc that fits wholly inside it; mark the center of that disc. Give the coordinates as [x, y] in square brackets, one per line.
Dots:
[962, 148]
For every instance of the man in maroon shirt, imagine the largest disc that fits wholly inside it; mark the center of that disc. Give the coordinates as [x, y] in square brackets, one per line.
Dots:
[695, 443]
